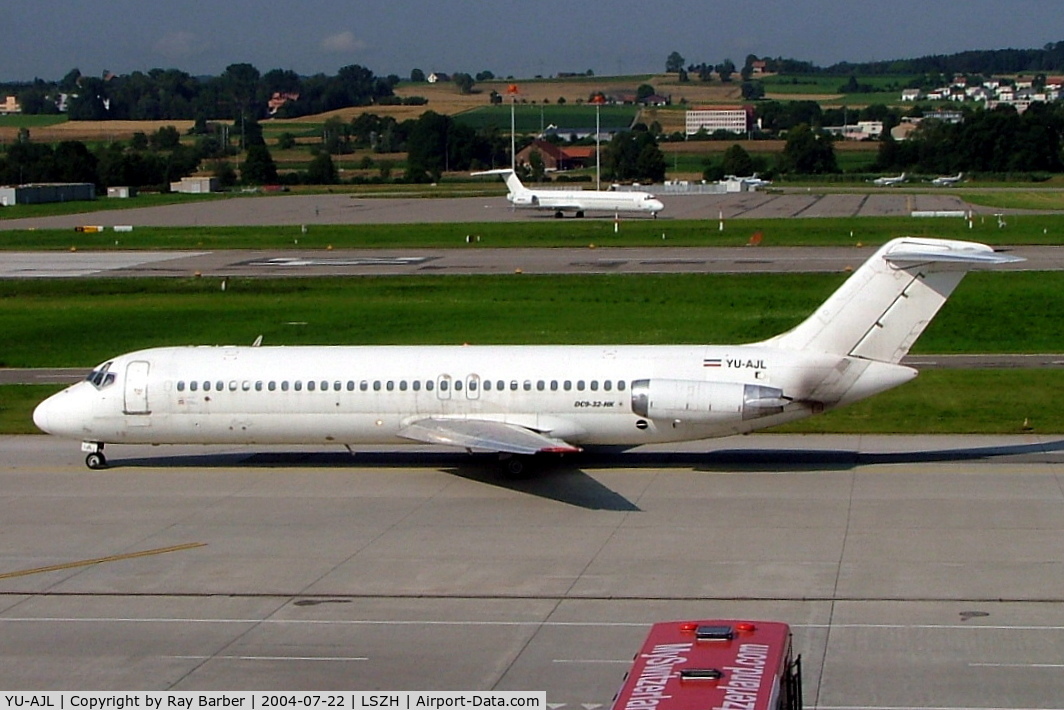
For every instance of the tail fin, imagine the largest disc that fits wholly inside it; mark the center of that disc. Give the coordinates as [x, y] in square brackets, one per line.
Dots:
[513, 183]
[880, 311]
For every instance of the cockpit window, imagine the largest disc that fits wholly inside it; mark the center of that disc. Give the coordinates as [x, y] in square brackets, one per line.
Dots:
[102, 376]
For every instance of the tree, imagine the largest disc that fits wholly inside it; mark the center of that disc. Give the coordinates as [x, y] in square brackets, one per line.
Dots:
[725, 70]
[417, 76]
[737, 161]
[241, 82]
[464, 82]
[643, 91]
[808, 152]
[633, 155]
[674, 63]
[258, 167]
[322, 170]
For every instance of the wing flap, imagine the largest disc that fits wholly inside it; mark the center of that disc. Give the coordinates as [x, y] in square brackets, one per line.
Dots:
[485, 435]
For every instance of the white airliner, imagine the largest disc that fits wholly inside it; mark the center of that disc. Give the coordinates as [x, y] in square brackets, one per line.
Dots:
[888, 181]
[944, 180]
[522, 400]
[576, 201]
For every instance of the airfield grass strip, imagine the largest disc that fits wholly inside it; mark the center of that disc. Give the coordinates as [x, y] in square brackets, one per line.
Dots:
[71, 323]
[548, 232]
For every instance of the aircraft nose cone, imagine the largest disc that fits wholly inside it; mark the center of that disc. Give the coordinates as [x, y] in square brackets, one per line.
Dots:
[42, 415]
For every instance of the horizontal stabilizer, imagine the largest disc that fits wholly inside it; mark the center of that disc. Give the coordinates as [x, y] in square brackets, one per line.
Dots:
[485, 435]
[969, 259]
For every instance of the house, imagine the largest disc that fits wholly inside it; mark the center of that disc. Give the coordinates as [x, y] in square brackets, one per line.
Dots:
[279, 99]
[10, 105]
[437, 76]
[555, 157]
[911, 95]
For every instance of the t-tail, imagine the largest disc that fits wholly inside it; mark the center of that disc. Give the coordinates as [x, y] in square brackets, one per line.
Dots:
[518, 191]
[872, 320]
[880, 311]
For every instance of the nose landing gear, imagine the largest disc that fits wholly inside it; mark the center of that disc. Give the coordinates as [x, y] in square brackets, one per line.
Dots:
[95, 459]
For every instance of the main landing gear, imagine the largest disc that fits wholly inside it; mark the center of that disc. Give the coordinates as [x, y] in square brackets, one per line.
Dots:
[95, 459]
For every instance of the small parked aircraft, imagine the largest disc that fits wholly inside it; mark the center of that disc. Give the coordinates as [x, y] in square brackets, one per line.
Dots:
[945, 180]
[888, 181]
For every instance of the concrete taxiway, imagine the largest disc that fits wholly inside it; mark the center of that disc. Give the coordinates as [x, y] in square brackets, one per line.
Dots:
[918, 572]
[473, 260]
[358, 209]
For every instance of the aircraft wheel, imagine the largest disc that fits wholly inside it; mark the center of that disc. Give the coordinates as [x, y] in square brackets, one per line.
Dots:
[558, 214]
[516, 467]
[96, 461]
[580, 214]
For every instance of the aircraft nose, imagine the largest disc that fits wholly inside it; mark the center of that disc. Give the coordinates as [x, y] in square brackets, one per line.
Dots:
[656, 205]
[42, 415]
[57, 415]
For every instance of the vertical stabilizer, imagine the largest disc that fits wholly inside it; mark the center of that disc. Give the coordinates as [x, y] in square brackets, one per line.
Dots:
[880, 311]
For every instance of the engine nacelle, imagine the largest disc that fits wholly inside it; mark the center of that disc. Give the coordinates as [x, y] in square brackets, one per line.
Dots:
[704, 402]
[524, 200]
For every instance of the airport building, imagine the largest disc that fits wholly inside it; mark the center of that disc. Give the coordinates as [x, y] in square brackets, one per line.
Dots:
[734, 119]
[47, 192]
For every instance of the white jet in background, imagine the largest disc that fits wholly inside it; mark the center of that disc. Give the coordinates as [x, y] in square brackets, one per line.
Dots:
[520, 400]
[576, 201]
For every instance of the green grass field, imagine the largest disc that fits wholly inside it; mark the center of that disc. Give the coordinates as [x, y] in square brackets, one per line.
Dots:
[80, 323]
[20, 121]
[844, 231]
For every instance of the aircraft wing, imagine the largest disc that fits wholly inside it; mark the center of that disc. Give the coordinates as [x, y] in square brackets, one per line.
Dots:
[485, 435]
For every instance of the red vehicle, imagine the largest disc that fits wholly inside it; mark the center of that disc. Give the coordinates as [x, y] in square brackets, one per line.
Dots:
[714, 665]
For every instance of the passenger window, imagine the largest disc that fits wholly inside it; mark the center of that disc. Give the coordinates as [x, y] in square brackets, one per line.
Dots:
[402, 385]
[429, 385]
[416, 384]
[180, 386]
[513, 385]
[350, 385]
[193, 386]
[337, 386]
[390, 385]
[554, 385]
[541, 385]
[258, 386]
[457, 385]
[206, 385]
[568, 385]
[607, 385]
[376, 385]
[500, 385]
[487, 385]
[528, 385]
[219, 385]
[284, 386]
[443, 385]
[472, 385]
[594, 385]
[620, 385]
[272, 386]
[363, 385]
[310, 386]
[580, 385]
